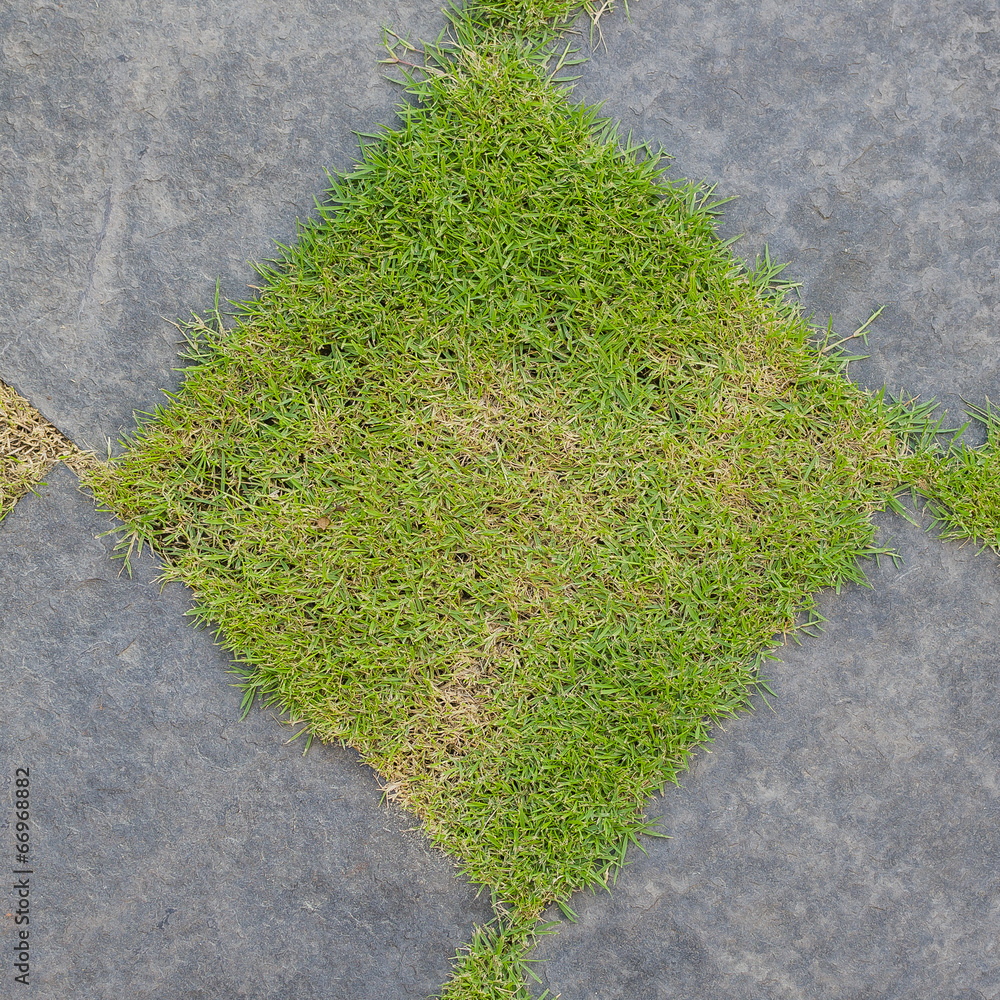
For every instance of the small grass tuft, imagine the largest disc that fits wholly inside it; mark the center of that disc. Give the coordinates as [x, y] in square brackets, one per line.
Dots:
[964, 489]
[29, 447]
[537, 18]
[494, 965]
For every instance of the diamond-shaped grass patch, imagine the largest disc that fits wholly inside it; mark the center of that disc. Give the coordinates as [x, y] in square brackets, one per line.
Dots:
[511, 474]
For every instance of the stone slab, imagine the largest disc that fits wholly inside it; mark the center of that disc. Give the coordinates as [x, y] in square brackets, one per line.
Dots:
[842, 845]
[861, 140]
[147, 150]
[176, 850]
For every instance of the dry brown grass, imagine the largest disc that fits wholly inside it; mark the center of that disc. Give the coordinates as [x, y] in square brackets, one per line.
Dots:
[29, 447]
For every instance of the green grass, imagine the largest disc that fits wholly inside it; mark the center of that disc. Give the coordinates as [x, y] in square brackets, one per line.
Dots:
[539, 19]
[512, 475]
[964, 492]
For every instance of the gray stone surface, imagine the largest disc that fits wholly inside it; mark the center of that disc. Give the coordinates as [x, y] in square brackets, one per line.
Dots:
[147, 149]
[177, 851]
[861, 140]
[843, 845]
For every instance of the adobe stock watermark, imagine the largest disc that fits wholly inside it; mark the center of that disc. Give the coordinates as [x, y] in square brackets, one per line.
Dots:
[22, 871]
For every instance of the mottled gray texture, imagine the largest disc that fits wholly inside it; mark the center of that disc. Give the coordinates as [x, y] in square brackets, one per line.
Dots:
[177, 850]
[844, 845]
[147, 149]
[861, 139]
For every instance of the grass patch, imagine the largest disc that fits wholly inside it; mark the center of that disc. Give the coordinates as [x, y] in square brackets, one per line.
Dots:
[511, 475]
